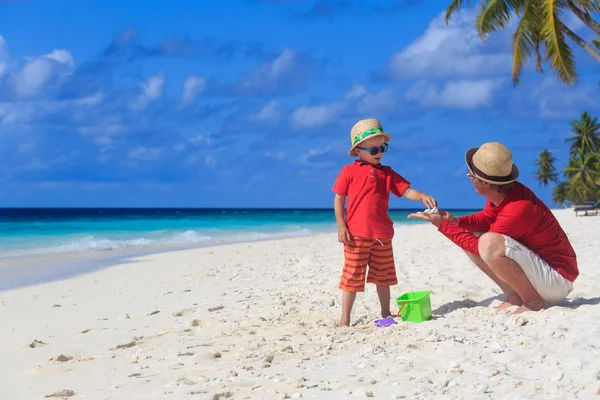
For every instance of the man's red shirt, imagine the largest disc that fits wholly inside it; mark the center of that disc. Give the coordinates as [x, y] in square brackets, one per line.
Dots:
[526, 219]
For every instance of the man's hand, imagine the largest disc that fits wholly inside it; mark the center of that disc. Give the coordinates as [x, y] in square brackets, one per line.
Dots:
[429, 201]
[343, 235]
[435, 219]
[449, 217]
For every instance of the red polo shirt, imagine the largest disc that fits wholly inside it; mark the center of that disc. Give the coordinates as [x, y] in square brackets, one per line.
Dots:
[368, 190]
[525, 218]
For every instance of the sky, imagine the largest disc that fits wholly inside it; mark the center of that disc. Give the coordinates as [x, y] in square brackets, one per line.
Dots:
[250, 103]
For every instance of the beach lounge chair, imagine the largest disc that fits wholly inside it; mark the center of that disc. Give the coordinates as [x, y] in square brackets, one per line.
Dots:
[587, 208]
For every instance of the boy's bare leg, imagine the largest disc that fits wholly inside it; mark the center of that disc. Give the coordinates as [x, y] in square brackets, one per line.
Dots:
[347, 303]
[512, 298]
[384, 300]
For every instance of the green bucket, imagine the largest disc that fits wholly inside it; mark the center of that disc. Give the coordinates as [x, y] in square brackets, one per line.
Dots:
[415, 306]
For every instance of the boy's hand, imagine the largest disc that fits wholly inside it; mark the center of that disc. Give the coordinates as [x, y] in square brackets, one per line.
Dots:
[344, 235]
[429, 201]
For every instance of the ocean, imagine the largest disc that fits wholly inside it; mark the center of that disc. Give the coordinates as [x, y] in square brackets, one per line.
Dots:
[57, 242]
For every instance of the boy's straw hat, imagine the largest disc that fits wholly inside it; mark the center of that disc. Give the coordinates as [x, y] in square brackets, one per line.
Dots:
[492, 163]
[363, 130]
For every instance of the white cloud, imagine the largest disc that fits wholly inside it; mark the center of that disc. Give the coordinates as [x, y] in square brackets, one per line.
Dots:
[555, 100]
[38, 72]
[196, 140]
[375, 103]
[449, 51]
[268, 74]
[103, 133]
[192, 86]
[151, 89]
[3, 56]
[316, 116]
[210, 160]
[143, 153]
[271, 112]
[305, 158]
[276, 155]
[461, 94]
[356, 91]
[90, 101]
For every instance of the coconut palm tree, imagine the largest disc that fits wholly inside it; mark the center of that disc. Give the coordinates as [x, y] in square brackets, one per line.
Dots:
[586, 138]
[582, 174]
[541, 26]
[559, 194]
[546, 171]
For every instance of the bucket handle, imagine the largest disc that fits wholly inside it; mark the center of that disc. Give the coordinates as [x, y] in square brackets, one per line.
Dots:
[400, 309]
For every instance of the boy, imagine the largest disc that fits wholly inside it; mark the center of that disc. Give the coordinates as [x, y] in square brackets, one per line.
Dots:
[368, 230]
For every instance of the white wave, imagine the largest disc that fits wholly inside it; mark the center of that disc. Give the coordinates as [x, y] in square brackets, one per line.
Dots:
[156, 239]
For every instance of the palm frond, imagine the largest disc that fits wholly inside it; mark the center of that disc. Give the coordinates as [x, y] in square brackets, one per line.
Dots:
[453, 7]
[558, 52]
[526, 40]
[589, 6]
[494, 15]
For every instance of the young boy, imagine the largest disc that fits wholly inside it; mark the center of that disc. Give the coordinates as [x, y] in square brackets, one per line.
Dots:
[367, 230]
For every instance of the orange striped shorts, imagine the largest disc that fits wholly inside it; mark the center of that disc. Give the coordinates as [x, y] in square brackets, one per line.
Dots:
[377, 254]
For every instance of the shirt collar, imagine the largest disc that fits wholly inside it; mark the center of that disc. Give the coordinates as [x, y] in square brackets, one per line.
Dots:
[361, 163]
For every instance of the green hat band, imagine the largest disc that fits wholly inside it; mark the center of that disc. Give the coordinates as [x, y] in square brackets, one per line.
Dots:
[366, 134]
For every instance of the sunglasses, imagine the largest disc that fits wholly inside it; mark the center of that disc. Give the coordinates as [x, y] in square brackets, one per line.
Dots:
[374, 150]
[471, 176]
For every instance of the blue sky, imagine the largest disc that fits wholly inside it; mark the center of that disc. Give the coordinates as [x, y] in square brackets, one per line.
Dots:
[250, 103]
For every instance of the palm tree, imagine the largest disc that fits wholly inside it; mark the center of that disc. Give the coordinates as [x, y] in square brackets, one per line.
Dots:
[546, 171]
[541, 25]
[582, 174]
[559, 194]
[587, 135]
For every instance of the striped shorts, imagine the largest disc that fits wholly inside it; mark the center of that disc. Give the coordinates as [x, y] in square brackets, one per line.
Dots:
[374, 253]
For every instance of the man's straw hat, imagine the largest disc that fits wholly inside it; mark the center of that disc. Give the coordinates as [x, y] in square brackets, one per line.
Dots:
[363, 130]
[492, 163]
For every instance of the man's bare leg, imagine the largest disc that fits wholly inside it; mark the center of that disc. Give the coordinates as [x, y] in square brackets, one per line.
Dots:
[511, 297]
[493, 253]
[384, 300]
[347, 303]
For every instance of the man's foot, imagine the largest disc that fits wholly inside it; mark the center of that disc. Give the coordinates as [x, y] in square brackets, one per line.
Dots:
[511, 300]
[529, 307]
[505, 305]
[387, 314]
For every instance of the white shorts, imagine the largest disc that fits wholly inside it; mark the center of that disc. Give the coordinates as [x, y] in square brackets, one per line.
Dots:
[550, 285]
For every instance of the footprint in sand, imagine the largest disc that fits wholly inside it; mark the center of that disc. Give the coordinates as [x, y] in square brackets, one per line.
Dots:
[37, 343]
[183, 312]
[62, 394]
[124, 346]
[201, 323]
[60, 359]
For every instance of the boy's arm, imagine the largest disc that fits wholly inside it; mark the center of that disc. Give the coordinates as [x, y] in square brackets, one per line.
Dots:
[401, 187]
[338, 207]
[415, 195]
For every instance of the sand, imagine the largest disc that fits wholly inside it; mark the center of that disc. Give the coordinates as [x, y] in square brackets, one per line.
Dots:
[255, 321]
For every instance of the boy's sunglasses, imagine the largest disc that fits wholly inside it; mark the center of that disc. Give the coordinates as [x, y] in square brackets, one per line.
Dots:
[374, 150]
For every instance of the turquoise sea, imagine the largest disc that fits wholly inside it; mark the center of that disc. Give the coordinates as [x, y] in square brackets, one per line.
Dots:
[64, 241]
[43, 231]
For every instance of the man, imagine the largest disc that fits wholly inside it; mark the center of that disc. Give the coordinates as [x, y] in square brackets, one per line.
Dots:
[516, 239]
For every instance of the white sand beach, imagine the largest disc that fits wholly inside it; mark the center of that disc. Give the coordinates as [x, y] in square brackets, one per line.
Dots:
[256, 321]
